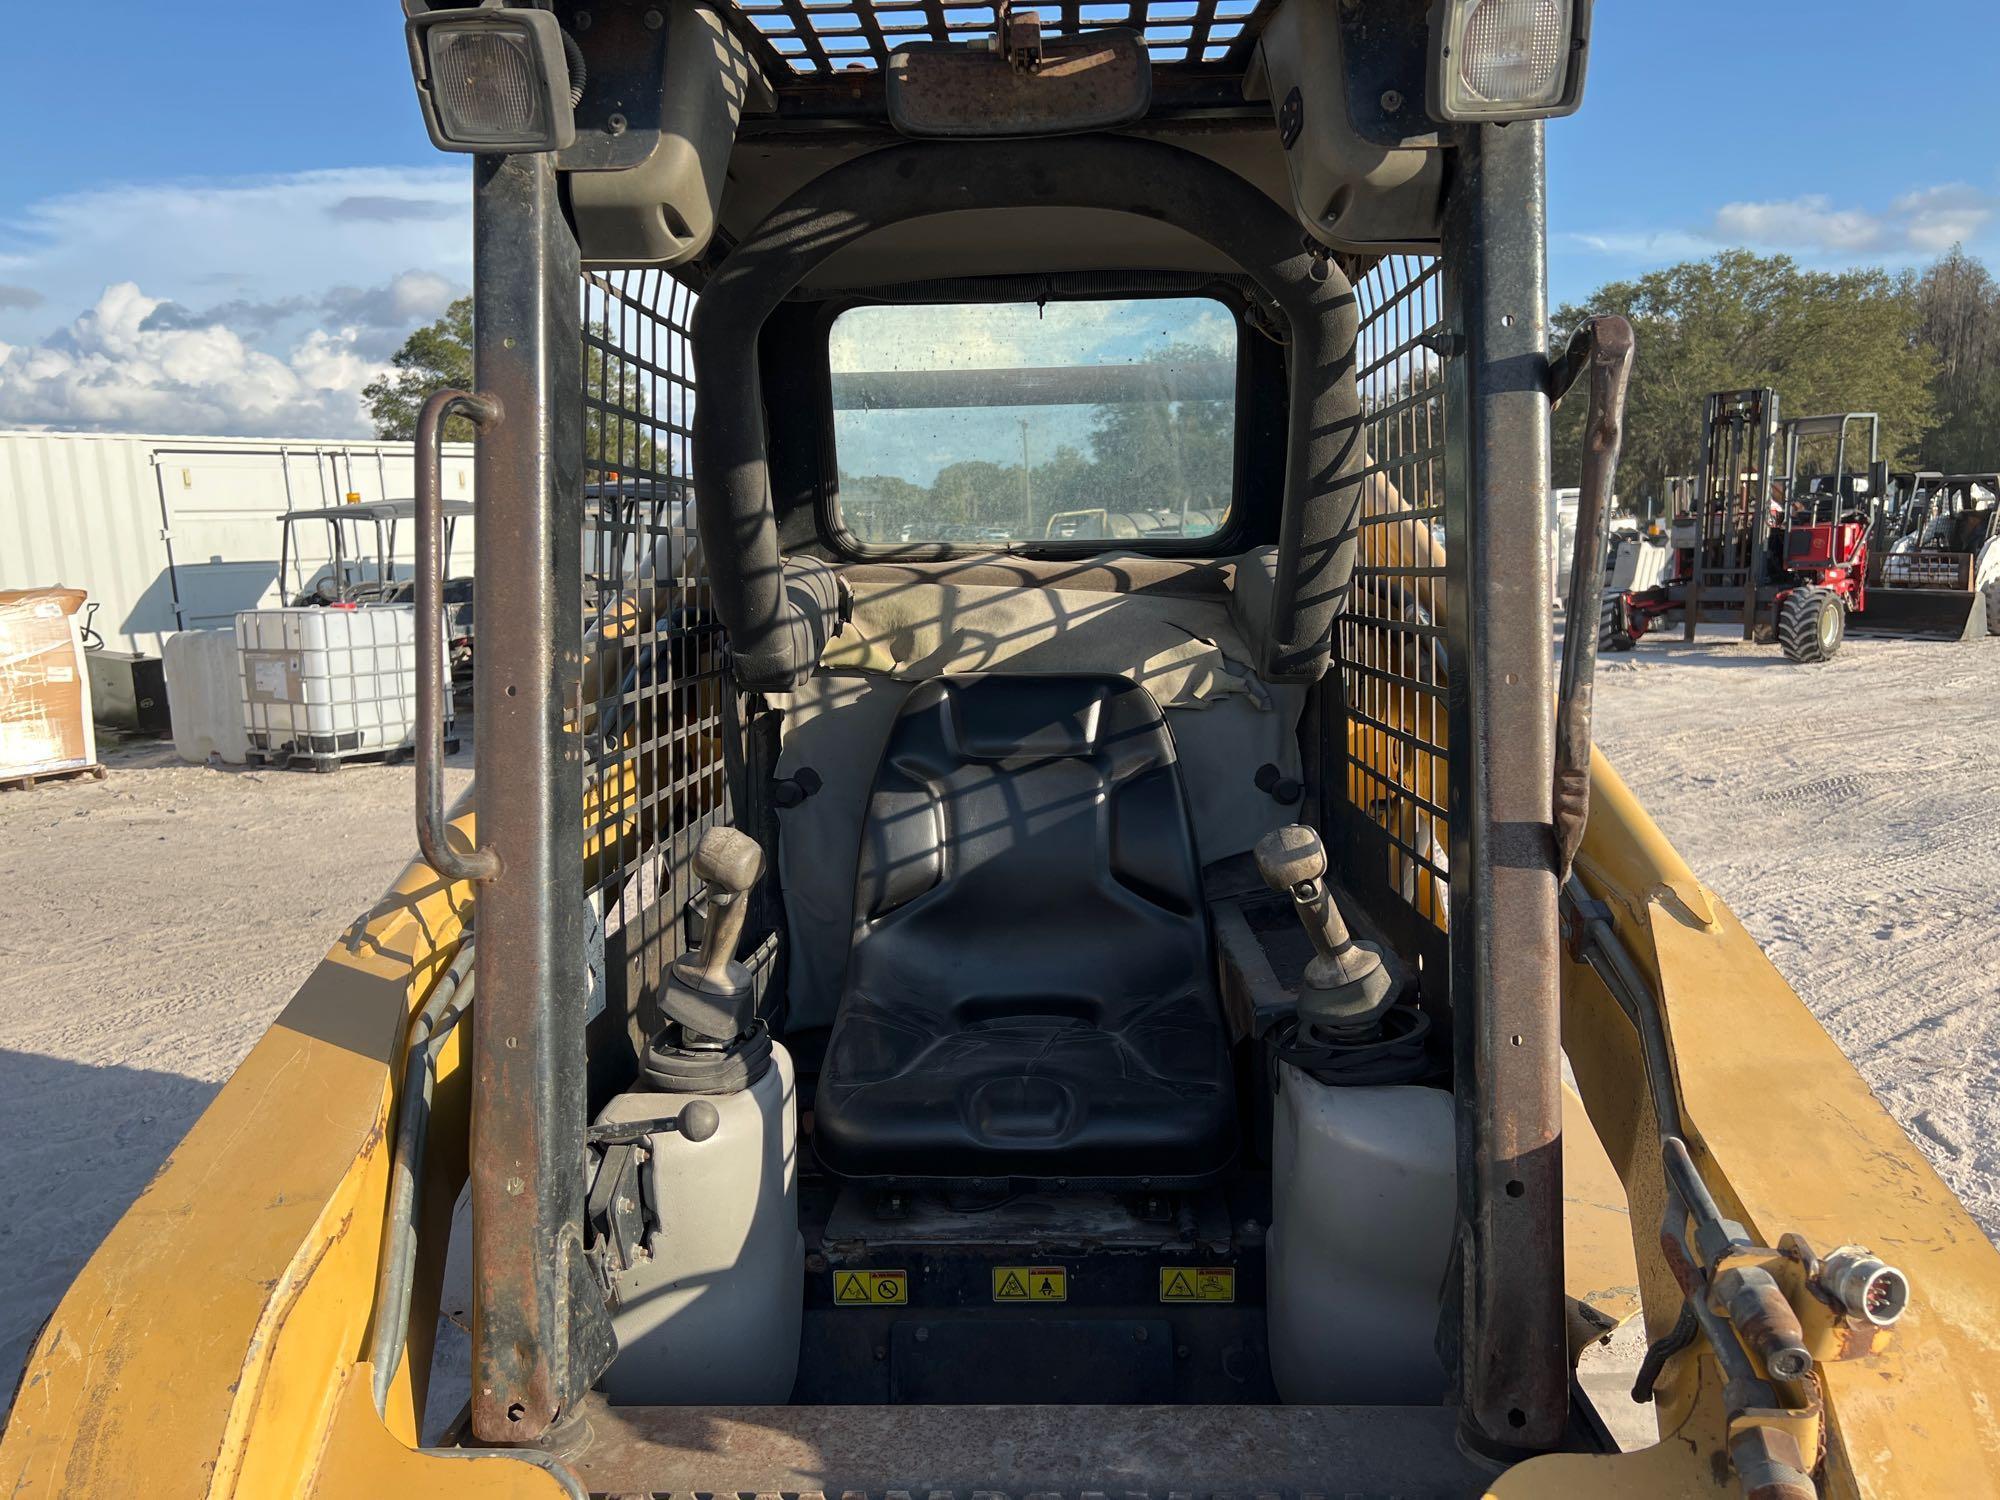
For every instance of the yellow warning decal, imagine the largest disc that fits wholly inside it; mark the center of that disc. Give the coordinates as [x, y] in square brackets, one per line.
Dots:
[871, 1288]
[1197, 1284]
[1030, 1284]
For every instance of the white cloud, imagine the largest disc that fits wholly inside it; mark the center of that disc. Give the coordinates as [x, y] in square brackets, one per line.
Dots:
[1926, 221]
[1006, 335]
[267, 304]
[1915, 227]
[283, 243]
[401, 303]
[118, 368]
[1937, 218]
[1658, 244]
[1810, 221]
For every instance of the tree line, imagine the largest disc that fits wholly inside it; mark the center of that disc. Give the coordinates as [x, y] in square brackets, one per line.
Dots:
[1170, 457]
[1922, 349]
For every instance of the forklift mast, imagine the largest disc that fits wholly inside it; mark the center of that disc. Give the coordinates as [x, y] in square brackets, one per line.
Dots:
[1727, 556]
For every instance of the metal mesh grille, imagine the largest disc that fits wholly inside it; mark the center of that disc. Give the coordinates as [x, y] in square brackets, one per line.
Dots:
[813, 38]
[655, 718]
[1392, 646]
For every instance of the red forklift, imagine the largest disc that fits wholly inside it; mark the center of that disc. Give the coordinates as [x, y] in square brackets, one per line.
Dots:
[1773, 540]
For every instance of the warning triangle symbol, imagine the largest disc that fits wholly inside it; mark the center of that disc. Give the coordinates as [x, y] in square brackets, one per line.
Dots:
[1012, 1286]
[1180, 1286]
[852, 1289]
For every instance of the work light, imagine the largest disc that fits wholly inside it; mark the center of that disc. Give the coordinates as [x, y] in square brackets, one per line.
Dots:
[492, 80]
[1494, 60]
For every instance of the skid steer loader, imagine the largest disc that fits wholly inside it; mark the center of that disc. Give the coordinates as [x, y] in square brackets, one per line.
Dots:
[1101, 1026]
[1940, 575]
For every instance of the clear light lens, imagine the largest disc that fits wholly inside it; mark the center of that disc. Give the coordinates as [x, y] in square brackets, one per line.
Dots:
[485, 84]
[1512, 51]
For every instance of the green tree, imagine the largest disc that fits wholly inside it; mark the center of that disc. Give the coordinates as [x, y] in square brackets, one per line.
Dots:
[1958, 317]
[436, 357]
[1176, 456]
[1825, 341]
[618, 424]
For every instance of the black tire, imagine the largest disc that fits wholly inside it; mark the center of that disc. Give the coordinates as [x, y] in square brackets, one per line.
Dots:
[1993, 608]
[1812, 624]
[1611, 632]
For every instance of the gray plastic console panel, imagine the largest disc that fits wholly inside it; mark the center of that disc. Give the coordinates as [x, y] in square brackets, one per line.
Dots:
[662, 212]
[1354, 188]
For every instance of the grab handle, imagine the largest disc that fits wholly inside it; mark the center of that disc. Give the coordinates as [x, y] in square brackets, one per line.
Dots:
[1602, 348]
[482, 412]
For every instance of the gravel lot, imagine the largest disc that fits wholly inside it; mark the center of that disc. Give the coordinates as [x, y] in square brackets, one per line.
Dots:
[157, 921]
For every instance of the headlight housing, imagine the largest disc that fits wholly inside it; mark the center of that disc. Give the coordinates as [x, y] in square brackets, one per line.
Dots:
[492, 80]
[1497, 60]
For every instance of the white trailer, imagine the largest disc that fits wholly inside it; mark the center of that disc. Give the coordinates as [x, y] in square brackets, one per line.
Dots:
[180, 533]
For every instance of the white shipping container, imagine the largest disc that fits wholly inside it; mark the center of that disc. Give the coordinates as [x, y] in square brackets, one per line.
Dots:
[326, 684]
[180, 533]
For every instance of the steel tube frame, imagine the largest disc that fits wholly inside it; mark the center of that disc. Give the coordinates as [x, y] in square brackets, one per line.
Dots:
[1510, 1341]
[540, 1332]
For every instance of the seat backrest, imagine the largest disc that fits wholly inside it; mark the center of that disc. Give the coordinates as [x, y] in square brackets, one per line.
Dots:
[1027, 843]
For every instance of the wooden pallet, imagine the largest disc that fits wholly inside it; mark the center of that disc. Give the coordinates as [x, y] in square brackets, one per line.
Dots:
[306, 760]
[20, 781]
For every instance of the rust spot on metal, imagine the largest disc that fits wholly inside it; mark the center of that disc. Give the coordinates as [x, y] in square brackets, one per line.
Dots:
[1083, 82]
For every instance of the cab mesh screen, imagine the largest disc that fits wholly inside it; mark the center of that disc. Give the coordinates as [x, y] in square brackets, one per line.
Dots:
[656, 717]
[814, 38]
[1392, 642]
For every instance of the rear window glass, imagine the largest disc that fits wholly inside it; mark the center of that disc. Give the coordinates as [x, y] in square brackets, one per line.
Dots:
[994, 424]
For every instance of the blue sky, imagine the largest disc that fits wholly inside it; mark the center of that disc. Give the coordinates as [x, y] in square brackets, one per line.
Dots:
[230, 217]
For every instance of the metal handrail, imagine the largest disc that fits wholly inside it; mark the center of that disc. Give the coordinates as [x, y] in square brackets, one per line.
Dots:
[1603, 346]
[481, 411]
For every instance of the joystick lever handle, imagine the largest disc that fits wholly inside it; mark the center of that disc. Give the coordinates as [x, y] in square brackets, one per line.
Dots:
[729, 862]
[1347, 986]
[1292, 861]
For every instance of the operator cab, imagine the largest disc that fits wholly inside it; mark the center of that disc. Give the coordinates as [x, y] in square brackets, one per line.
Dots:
[1036, 957]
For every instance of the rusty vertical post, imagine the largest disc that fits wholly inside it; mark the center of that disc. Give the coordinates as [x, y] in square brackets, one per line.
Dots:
[1512, 1366]
[540, 1333]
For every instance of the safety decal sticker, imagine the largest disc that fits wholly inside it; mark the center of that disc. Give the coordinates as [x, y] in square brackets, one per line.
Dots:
[1197, 1284]
[1030, 1284]
[871, 1288]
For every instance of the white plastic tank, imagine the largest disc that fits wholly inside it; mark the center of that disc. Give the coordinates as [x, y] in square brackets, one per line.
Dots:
[710, 1316]
[329, 682]
[1364, 1201]
[204, 676]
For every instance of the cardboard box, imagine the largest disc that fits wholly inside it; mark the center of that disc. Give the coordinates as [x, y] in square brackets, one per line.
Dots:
[44, 684]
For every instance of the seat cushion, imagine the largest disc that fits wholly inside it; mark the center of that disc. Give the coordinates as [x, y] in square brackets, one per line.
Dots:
[1029, 991]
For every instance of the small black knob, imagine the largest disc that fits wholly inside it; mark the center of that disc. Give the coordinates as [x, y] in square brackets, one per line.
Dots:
[699, 1119]
[799, 786]
[1280, 788]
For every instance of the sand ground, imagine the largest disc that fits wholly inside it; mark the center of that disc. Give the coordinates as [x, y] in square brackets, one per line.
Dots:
[154, 923]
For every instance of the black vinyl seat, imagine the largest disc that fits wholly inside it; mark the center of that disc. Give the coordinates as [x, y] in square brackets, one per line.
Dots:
[1029, 993]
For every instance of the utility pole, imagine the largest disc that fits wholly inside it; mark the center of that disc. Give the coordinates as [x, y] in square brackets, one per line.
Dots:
[1027, 485]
